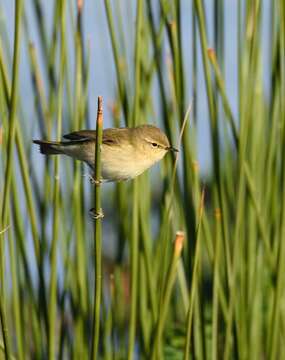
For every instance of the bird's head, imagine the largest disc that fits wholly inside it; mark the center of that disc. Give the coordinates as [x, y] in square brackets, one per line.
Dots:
[152, 142]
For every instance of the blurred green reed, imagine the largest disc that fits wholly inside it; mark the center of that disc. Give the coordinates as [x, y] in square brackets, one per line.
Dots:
[215, 292]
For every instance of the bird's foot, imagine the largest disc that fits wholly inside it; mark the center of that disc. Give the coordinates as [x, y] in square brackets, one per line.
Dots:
[96, 215]
[93, 181]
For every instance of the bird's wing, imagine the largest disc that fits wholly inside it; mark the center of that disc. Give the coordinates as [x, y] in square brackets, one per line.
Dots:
[110, 136]
[113, 135]
[81, 135]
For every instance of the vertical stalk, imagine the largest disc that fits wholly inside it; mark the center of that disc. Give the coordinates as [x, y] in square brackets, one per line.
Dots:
[216, 286]
[8, 169]
[23, 162]
[134, 236]
[134, 254]
[52, 336]
[97, 230]
[80, 257]
[120, 79]
[171, 276]
[16, 298]
[275, 338]
[195, 279]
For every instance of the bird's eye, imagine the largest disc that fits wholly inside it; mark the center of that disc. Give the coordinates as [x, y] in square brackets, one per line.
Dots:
[155, 145]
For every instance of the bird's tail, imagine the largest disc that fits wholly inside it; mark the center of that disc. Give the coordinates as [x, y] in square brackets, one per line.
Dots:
[49, 147]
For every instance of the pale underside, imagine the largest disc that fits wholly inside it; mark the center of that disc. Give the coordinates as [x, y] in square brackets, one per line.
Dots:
[125, 153]
[117, 163]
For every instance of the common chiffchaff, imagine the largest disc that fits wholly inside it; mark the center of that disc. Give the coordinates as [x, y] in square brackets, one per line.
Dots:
[126, 152]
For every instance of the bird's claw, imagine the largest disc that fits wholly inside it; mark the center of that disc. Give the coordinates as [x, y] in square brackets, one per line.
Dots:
[94, 181]
[96, 215]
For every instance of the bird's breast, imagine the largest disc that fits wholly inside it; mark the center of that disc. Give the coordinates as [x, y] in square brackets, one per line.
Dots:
[123, 163]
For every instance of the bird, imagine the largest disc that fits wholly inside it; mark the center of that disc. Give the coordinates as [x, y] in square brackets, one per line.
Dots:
[125, 152]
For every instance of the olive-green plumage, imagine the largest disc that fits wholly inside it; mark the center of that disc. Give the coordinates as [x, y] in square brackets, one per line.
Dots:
[126, 152]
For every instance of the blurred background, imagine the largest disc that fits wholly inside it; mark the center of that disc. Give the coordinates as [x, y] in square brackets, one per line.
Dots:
[211, 75]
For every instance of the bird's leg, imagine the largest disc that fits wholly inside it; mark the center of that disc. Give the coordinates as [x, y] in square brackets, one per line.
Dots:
[93, 181]
[96, 215]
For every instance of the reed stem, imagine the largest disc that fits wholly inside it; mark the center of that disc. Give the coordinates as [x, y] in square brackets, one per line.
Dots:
[97, 231]
[52, 331]
[8, 169]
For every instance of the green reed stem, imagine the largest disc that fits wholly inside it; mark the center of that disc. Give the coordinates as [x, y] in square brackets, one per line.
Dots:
[16, 298]
[171, 276]
[149, 274]
[216, 286]
[80, 256]
[138, 43]
[228, 112]
[195, 280]
[22, 255]
[52, 335]
[8, 169]
[23, 161]
[121, 83]
[221, 87]
[12, 119]
[275, 337]
[42, 108]
[97, 231]
[214, 131]
[134, 257]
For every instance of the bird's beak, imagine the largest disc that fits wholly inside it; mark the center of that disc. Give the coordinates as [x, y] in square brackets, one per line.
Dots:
[171, 148]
